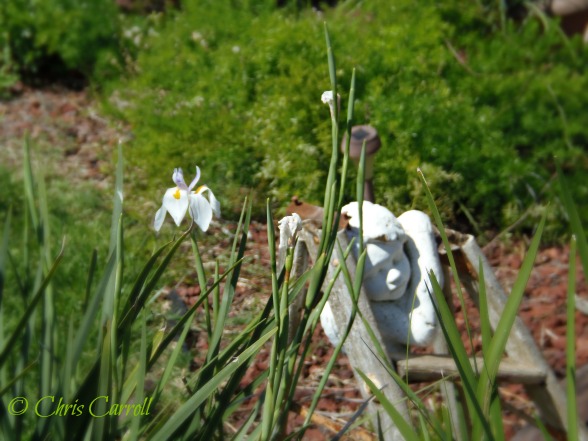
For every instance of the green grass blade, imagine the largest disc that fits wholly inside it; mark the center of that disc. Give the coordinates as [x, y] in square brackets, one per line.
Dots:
[99, 426]
[452, 334]
[22, 323]
[117, 201]
[46, 365]
[6, 386]
[110, 298]
[174, 355]
[186, 318]
[423, 426]
[139, 390]
[242, 433]
[404, 427]
[141, 287]
[331, 176]
[572, 409]
[4, 256]
[147, 287]
[69, 367]
[271, 242]
[201, 278]
[546, 435]
[486, 327]
[360, 187]
[187, 409]
[345, 166]
[495, 350]
[509, 314]
[378, 352]
[332, 69]
[90, 279]
[91, 312]
[29, 184]
[231, 283]
[446, 244]
[574, 217]
[490, 389]
[460, 356]
[118, 374]
[264, 323]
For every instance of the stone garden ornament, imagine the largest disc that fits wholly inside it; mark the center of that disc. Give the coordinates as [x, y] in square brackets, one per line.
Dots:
[400, 253]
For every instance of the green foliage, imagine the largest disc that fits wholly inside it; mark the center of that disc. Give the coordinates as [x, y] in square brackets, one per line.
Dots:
[7, 75]
[109, 348]
[51, 38]
[482, 110]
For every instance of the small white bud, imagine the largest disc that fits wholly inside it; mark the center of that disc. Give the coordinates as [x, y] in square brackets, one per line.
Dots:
[289, 227]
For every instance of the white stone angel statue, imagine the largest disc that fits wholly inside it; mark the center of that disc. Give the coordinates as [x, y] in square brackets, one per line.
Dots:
[400, 253]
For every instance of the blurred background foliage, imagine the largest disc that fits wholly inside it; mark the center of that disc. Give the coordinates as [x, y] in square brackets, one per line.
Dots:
[480, 95]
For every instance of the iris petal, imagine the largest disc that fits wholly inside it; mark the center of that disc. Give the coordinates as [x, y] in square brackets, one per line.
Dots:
[214, 203]
[159, 218]
[178, 178]
[201, 211]
[195, 180]
[176, 207]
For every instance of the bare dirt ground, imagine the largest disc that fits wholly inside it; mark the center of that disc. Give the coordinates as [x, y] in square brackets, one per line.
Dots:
[74, 134]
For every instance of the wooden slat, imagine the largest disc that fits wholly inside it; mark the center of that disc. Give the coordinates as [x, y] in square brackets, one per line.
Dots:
[436, 367]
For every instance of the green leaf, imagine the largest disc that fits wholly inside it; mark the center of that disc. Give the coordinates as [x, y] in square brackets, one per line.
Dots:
[4, 253]
[117, 201]
[99, 428]
[509, 314]
[22, 323]
[91, 312]
[574, 217]
[404, 427]
[447, 245]
[202, 394]
[490, 388]
[460, 356]
[572, 410]
[140, 383]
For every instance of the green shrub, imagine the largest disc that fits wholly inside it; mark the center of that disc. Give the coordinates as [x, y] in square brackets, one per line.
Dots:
[236, 89]
[52, 38]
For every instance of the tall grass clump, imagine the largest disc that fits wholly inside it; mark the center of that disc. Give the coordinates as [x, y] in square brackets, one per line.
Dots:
[104, 376]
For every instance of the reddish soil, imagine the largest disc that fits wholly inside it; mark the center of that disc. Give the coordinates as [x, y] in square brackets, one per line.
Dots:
[84, 141]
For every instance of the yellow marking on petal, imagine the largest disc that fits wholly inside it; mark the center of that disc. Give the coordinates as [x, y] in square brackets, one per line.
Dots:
[199, 189]
[177, 193]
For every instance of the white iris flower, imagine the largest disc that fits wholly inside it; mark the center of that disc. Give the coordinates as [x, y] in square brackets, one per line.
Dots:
[328, 98]
[180, 199]
[289, 227]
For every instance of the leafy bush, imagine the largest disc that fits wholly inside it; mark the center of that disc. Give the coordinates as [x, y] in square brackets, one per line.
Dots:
[482, 109]
[55, 38]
